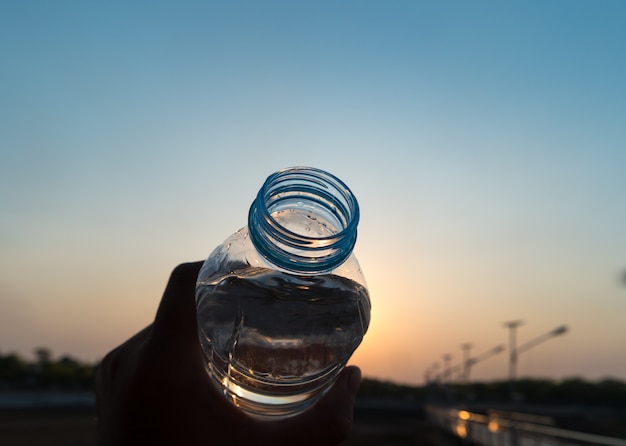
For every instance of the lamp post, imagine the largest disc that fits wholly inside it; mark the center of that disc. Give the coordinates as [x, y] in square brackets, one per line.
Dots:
[515, 351]
[512, 326]
[470, 362]
[447, 373]
[466, 361]
[514, 354]
[435, 368]
[432, 381]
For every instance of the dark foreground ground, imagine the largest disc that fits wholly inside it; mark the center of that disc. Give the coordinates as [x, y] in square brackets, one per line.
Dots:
[47, 426]
[393, 424]
[76, 427]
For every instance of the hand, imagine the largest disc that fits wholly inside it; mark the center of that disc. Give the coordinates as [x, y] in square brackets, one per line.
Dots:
[154, 389]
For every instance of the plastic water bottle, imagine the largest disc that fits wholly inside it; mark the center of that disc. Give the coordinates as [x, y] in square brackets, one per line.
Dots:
[282, 303]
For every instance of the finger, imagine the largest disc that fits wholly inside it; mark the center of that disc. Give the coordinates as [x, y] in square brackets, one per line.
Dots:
[106, 371]
[329, 422]
[176, 317]
[112, 375]
[337, 406]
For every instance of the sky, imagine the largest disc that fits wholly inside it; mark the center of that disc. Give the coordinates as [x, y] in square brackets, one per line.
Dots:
[485, 142]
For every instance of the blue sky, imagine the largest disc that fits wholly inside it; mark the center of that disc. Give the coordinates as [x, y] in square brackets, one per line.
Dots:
[485, 142]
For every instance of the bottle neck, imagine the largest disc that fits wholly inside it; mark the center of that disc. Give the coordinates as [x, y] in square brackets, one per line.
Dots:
[304, 220]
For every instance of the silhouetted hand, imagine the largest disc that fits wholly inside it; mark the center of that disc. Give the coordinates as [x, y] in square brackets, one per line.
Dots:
[154, 389]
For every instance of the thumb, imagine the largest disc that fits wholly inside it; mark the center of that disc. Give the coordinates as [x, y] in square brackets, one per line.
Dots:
[338, 404]
[176, 317]
[330, 421]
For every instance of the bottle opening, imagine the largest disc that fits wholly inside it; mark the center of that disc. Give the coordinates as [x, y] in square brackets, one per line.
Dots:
[304, 220]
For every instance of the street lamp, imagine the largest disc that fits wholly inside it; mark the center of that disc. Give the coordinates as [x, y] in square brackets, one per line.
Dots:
[544, 337]
[446, 368]
[512, 326]
[466, 361]
[488, 354]
[435, 368]
[515, 351]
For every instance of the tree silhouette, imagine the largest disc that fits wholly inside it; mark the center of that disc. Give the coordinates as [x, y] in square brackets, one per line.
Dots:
[43, 355]
[45, 373]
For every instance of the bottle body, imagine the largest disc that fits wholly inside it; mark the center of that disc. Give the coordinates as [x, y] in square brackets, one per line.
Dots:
[276, 335]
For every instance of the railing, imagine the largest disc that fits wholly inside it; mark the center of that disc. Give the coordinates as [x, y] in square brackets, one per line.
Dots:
[511, 429]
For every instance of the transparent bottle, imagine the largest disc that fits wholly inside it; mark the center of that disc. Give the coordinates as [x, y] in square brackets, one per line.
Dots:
[282, 303]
